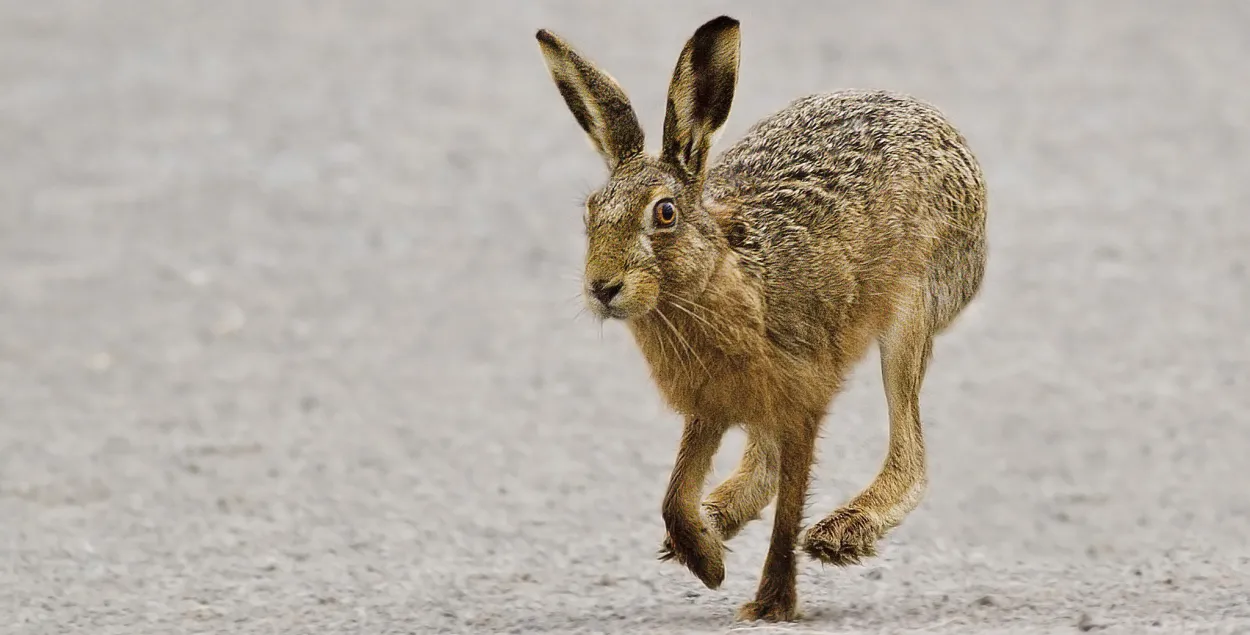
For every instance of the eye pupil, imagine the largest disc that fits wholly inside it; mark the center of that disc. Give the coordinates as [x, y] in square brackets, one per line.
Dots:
[666, 212]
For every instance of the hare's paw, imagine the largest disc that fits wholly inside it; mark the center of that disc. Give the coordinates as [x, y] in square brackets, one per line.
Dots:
[771, 610]
[845, 537]
[666, 553]
[699, 550]
[722, 523]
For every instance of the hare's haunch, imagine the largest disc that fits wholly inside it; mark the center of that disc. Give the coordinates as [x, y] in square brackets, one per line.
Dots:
[753, 284]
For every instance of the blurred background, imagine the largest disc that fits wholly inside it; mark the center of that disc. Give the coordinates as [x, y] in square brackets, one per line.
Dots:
[289, 332]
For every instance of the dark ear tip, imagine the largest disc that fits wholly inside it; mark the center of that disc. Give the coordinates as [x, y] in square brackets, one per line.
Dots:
[721, 23]
[546, 37]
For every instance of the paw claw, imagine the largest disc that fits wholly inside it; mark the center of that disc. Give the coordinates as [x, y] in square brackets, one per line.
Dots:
[665, 553]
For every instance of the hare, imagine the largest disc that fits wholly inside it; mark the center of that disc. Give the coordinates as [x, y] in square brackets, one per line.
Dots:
[753, 285]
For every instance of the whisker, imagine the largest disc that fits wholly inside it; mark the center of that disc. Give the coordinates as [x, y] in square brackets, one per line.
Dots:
[708, 314]
[684, 342]
[692, 314]
[663, 344]
[665, 338]
[675, 301]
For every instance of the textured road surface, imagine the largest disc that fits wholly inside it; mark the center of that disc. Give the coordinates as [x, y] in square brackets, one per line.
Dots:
[289, 332]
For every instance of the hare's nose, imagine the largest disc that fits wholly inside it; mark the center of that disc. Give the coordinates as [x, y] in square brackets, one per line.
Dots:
[605, 291]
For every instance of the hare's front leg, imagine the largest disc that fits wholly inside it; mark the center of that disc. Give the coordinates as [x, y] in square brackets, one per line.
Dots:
[690, 541]
[850, 533]
[740, 498]
[777, 599]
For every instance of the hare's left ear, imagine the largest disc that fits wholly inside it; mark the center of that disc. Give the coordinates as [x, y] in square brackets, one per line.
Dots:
[700, 94]
[597, 101]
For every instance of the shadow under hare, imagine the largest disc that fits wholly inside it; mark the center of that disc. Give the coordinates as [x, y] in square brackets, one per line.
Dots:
[754, 284]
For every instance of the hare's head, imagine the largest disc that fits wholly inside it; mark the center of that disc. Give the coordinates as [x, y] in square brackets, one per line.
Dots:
[649, 235]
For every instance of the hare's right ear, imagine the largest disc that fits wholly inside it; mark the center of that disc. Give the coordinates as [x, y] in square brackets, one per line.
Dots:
[596, 100]
[700, 94]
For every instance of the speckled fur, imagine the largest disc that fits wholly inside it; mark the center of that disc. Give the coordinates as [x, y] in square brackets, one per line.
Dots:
[843, 219]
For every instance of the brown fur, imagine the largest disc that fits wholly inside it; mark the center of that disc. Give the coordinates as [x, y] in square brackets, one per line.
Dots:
[843, 219]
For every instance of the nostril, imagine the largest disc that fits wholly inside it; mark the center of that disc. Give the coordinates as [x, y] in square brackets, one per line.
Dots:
[604, 291]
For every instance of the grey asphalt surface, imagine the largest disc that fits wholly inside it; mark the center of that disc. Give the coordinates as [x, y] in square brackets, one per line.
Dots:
[290, 337]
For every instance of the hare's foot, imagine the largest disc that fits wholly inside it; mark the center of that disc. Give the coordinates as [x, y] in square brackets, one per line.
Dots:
[724, 521]
[750, 489]
[699, 549]
[718, 522]
[728, 515]
[770, 610]
[845, 537]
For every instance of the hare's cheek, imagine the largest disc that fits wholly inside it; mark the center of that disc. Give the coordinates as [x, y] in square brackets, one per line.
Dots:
[641, 293]
[645, 247]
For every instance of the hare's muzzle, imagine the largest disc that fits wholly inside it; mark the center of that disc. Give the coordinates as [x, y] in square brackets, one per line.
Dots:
[605, 295]
[605, 291]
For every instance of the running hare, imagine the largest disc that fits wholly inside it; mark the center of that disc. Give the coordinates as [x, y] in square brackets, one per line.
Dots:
[753, 285]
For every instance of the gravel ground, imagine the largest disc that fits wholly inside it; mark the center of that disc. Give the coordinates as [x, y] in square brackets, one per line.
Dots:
[290, 337]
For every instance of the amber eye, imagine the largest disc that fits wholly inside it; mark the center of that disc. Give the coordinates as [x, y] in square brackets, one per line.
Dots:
[665, 213]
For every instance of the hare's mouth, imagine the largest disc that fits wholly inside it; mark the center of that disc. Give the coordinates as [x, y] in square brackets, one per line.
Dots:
[608, 311]
[620, 298]
[616, 310]
[615, 314]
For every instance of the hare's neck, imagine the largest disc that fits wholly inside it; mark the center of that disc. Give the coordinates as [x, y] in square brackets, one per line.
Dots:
[723, 322]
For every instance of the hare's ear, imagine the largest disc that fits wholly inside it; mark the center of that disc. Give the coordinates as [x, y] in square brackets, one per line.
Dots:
[700, 94]
[597, 101]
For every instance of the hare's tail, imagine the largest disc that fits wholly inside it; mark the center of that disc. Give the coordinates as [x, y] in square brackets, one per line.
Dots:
[958, 262]
[954, 277]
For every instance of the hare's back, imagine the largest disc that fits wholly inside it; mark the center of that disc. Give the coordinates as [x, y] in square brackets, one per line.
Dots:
[849, 165]
[850, 144]
[874, 184]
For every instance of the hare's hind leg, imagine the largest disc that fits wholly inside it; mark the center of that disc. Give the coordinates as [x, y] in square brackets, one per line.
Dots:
[740, 498]
[850, 533]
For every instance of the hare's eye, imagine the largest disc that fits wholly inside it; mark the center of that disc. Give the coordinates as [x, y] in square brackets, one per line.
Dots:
[665, 213]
